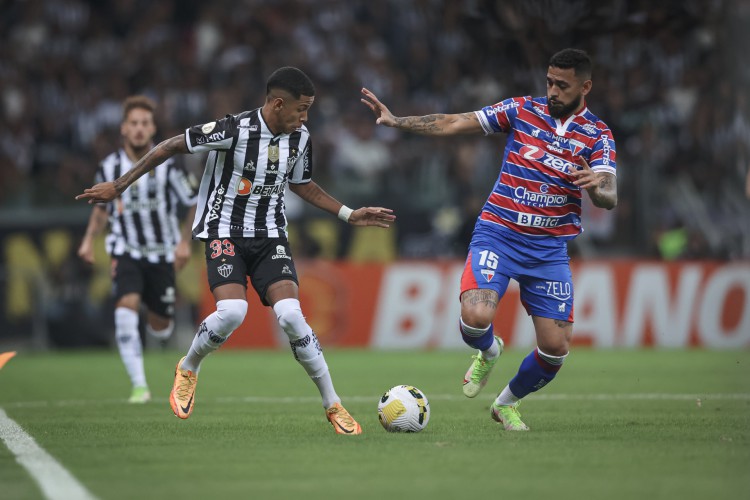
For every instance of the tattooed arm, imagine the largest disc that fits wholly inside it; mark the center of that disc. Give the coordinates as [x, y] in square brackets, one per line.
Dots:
[604, 194]
[463, 123]
[601, 186]
[108, 191]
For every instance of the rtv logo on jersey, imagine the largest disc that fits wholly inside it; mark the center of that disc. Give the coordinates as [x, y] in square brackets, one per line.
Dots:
[535, 153]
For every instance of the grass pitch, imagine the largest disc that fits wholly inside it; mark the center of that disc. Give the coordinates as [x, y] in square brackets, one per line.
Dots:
[614, 425]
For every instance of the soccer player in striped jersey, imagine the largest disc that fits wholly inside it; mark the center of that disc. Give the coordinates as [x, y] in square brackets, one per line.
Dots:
[252, 158]
[145, 240]
[556, 149]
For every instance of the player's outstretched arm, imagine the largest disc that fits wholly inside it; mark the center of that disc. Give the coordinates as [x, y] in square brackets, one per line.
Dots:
[601, 186]
[365, 216]
[439, 124]
[97, 221]
[108, 191]
[183, 250]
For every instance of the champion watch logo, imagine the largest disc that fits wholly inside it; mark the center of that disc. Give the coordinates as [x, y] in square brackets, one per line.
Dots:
[488, 274]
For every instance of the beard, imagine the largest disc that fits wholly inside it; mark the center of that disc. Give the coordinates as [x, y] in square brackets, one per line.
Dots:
[559, 110]
[140, 148]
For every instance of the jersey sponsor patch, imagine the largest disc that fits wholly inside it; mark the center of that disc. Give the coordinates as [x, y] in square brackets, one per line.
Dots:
[243, 187]
[267, 190]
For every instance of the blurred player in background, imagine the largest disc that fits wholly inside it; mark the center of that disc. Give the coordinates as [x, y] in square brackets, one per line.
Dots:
[556, 148]
[252, 157]
[144, 240]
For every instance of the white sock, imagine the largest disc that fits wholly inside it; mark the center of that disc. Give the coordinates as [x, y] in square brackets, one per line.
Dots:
[506, 398]
[327, 392]
[306, 348]
[160, 334]
[129, 343]
[492, 352]
[214, 331]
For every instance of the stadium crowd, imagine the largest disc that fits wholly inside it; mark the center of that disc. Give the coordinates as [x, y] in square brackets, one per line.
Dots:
[668, 80]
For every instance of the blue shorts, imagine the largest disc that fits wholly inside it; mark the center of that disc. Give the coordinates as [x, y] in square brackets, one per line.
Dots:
[541, 269]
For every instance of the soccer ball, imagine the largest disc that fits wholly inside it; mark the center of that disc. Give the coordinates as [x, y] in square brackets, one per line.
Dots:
[403, 409]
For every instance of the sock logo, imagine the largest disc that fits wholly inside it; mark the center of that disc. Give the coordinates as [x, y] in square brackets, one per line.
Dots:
[300, 343]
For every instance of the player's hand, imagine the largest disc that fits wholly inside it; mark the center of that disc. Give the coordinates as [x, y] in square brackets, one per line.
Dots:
[585, 177]
[182, 254]
[100, 193]
[382, 113]
[372, 216]
[86, 251]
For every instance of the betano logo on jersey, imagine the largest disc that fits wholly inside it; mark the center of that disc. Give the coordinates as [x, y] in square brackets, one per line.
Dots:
[536, 153]
[243, 187]
[268, 190]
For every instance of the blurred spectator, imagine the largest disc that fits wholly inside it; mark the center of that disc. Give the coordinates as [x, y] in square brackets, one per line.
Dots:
[670, 78]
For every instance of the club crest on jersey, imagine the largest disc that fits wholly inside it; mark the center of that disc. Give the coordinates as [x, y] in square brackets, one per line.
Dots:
[293, 155]
[273, 153]
[225, 270]
[488, 274]
[244, 186]
[576, 146]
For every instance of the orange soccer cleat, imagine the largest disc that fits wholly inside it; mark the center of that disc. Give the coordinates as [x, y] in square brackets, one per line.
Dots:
[342, 421]
[182, 397]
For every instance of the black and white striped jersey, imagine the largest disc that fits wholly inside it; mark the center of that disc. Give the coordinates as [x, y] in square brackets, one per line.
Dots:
[143, 219]
[241, 194]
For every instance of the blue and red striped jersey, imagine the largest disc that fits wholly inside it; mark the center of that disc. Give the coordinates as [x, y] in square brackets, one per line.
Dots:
[534, 194]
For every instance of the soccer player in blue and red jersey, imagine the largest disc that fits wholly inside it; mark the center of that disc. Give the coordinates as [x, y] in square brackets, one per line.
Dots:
[556, 149]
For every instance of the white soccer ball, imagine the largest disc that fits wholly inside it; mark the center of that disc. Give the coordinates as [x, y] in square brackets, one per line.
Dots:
[404, 408]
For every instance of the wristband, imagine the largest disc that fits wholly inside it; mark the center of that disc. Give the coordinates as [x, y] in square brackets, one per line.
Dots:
[344, 213]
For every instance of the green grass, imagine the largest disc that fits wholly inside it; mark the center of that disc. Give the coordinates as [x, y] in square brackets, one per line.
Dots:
[614, 424]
